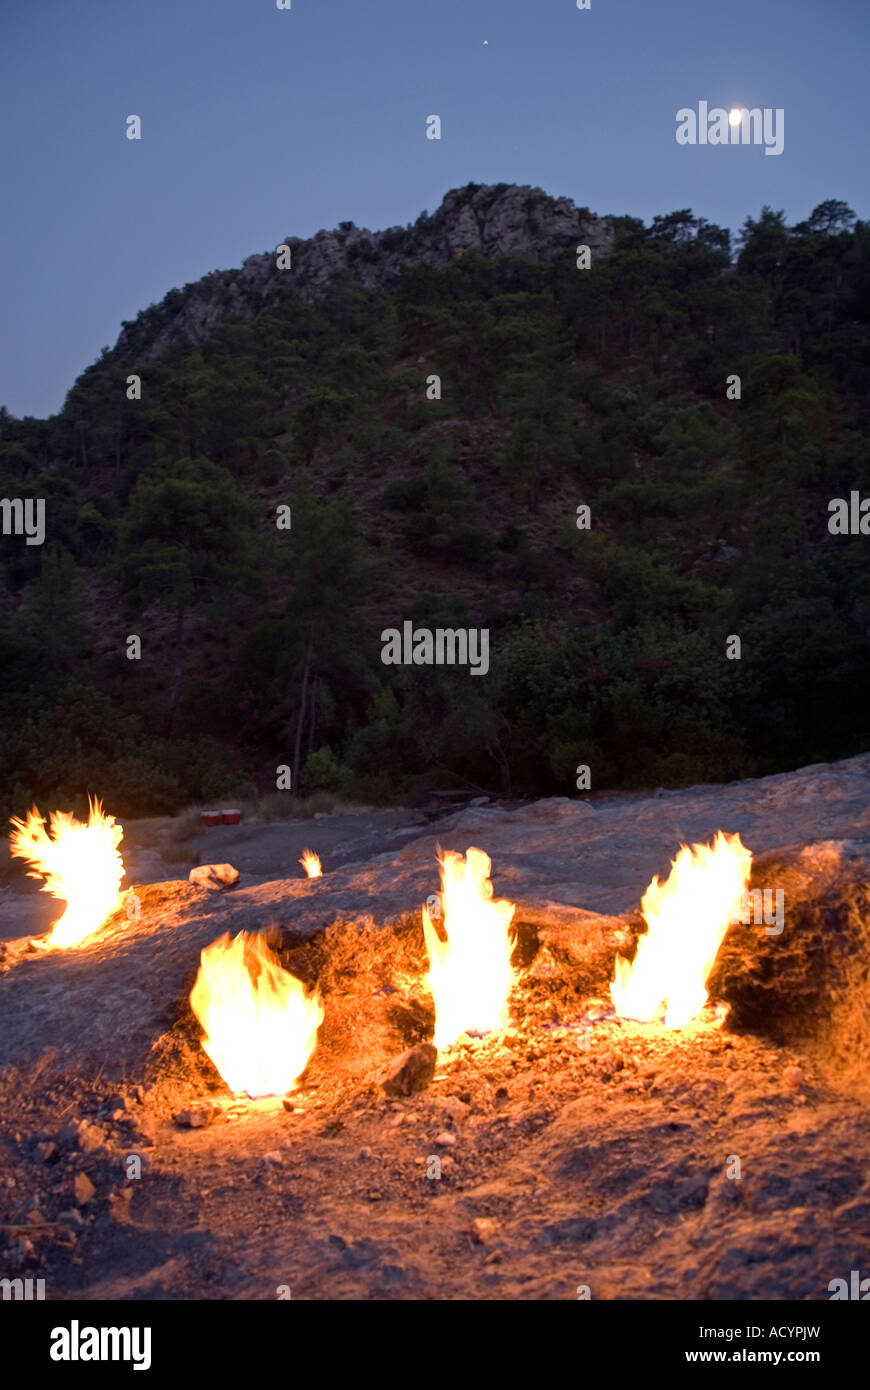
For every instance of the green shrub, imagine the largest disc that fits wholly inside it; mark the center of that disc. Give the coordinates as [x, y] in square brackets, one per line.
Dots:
[323, 772]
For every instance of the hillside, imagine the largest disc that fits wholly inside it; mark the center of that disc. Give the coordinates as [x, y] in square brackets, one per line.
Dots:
[498, 220]
[560, 387]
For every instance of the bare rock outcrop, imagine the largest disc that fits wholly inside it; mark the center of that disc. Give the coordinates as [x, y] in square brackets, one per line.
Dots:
[576, 872]
[496, 220]
[724, 1160]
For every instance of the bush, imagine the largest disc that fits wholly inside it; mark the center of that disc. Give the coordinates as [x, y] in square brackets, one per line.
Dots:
[405, 494]
[323, 772]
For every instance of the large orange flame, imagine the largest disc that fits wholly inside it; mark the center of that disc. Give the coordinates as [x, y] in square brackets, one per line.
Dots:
[79, 862]
[470, 973]
[260, 1023]
[311, 863]
[687, 918]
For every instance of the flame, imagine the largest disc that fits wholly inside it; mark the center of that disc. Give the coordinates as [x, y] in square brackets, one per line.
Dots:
[79, 862]
[311, 863]
[260, 1023]
[687, 918]
[470, 973]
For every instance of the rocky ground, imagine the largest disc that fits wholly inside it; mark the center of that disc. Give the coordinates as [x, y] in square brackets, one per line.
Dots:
[728, 1160]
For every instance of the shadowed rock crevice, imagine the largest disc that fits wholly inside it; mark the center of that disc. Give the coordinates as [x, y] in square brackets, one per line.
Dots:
[807, 984]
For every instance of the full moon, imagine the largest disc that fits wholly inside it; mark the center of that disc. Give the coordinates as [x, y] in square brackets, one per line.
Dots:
[734, 116]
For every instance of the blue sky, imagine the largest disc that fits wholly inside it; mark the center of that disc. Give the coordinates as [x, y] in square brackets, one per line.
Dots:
[260, 123]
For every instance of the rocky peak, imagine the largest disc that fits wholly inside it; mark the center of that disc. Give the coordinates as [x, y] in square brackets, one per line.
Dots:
[497, 220]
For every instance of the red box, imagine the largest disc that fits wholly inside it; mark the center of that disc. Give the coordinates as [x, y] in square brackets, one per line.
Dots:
[231, 817]
[210, 817]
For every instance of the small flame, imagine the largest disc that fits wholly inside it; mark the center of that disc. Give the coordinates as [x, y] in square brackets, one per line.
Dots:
[687, 918]
[470, 973]
[79, 862]
[311, 863]
[260, 1023]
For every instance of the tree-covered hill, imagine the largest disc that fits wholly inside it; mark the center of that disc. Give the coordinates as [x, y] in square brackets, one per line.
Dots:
[560, 387]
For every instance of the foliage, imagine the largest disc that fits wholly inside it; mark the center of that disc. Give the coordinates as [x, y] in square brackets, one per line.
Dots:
[604, 387]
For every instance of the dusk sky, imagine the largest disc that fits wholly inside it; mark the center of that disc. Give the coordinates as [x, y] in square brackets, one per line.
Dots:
[260, 124]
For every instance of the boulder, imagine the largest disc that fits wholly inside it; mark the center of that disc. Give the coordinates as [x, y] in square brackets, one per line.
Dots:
[410, 1072]
[214, 876]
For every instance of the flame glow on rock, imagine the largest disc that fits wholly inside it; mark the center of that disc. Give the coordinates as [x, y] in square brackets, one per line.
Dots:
[79, 862]
[470, 974]
[311, 863]
[687, 918]
[260, 1023]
